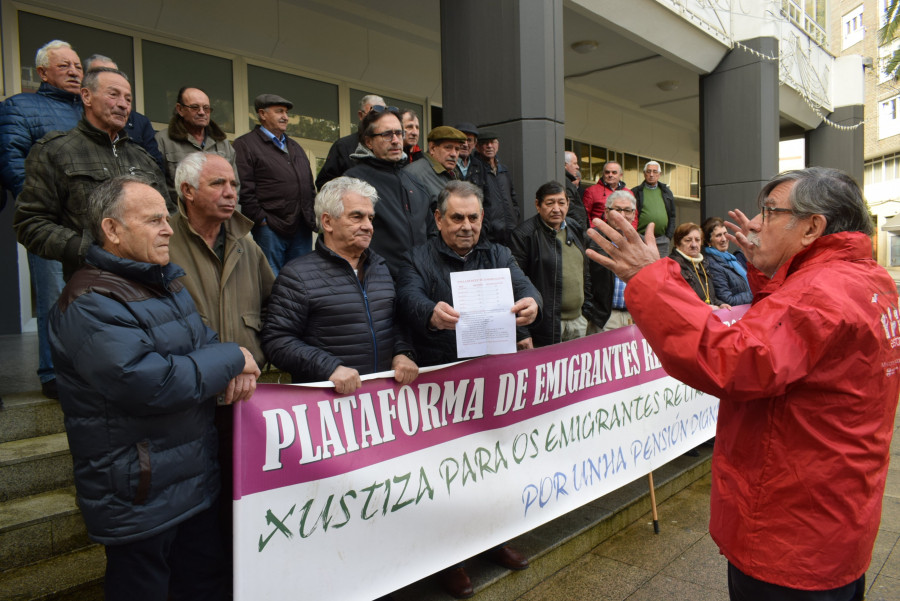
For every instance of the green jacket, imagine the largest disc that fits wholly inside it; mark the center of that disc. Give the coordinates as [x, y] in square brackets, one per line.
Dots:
[230, 296]
[61, 171]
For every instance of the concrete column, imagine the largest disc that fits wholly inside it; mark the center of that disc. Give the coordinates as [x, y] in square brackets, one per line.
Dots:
[739, 129]
[502, 69]
[827, 146]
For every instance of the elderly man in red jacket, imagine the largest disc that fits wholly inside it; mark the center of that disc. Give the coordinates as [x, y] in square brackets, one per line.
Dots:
[808, 381]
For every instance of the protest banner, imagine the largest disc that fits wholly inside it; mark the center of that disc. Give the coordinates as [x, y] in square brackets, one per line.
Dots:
[352, 497]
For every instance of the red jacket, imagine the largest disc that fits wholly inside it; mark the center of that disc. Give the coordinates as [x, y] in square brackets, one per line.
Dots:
[595, 201]
[808, 382]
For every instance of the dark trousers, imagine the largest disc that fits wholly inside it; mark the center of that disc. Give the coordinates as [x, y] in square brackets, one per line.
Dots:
[184, 562]
[745, 588]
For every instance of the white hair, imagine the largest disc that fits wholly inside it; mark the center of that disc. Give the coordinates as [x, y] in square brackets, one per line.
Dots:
[571, 157]
[42, 58]
[371, 100]
[189, 170]
[621, 195]
[330, 198]
[649, 163]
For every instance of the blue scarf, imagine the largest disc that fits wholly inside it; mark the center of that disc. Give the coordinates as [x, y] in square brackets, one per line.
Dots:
[729, 259]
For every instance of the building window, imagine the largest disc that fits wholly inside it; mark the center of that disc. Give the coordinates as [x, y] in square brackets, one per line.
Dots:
[852, 27]
[895, 250]
[888, 122]
[36, 30]
[315, 112]
[167, 69]
[884, 55]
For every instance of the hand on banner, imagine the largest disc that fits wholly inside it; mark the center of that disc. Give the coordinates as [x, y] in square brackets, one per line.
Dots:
[524, 345]
[626, 253]
[526, 310]
[405, 369]
[444, 317]
[242, 386]
[346, 380]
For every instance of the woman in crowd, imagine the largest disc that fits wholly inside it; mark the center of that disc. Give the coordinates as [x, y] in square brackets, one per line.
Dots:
[728, 273]
[688, 241]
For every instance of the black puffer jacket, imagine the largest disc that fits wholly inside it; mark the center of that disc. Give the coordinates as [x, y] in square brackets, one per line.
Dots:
[402, 214]
[426, 282]
[321, 316]
[539, 253]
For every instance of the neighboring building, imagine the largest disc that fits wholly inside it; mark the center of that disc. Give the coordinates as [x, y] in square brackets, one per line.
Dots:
[858, 22]
[653, 110]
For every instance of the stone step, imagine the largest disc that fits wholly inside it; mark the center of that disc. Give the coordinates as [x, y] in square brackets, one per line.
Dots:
[29, 414]
[40, 526]
[77, 575]
[34, 465]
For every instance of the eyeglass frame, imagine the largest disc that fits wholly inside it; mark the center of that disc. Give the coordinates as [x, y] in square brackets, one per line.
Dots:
[195, 108]
[767, 210]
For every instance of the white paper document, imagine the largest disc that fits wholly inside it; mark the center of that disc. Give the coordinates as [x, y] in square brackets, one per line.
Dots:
[484, 298]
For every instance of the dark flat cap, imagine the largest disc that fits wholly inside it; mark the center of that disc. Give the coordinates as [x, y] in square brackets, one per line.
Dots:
[445, 132]
[266, 100]
[467, 128]
[488, 135]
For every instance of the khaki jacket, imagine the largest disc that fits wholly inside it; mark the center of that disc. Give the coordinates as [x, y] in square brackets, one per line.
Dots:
[231, 297]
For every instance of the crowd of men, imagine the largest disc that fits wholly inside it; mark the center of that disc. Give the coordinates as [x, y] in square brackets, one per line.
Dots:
[190, 262]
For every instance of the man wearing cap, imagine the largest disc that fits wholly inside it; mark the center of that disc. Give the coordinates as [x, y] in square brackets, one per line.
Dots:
[439, 165]
[277, 190]
[501, 209]
[469, 166]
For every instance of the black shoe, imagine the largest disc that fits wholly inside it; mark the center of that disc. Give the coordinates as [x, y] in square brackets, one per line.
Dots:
[49, 389]
[456, 582]
[508, 557]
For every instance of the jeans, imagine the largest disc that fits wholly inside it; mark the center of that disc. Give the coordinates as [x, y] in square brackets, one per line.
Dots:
[47, 277]
[278, 249]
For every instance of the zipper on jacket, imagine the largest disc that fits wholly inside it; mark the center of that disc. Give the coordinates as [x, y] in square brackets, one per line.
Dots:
[371, 325]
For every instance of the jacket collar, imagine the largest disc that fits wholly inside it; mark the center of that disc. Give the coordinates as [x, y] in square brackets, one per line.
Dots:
[364, 155]
[149, 274]
[842, 246]
[58, 94]
[236, 227]
[97, 135]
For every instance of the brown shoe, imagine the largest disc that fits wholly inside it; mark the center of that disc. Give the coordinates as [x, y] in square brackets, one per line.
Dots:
[456, 582]
[508, 557]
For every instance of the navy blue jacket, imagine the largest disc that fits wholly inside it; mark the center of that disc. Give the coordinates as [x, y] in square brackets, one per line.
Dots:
[425, 281]
[730, 286]
[25, 119]
[321, 316]
[138, 373]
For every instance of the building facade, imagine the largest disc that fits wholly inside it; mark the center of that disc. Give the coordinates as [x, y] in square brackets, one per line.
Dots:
[706, 89]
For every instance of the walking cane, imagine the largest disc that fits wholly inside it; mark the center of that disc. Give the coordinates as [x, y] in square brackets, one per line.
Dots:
[653, 504]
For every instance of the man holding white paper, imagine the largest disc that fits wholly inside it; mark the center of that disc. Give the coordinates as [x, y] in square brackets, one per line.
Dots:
[425, 293]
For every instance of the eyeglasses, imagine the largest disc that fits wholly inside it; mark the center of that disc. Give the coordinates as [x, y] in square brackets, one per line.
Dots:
[388, 135]
[767, 212]
[196, 107]
[625, 211]
[387, 109]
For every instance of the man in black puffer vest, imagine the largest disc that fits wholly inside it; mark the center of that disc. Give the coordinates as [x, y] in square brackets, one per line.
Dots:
[331, 312]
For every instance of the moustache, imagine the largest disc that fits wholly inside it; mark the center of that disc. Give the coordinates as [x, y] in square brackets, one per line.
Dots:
[753, 238]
